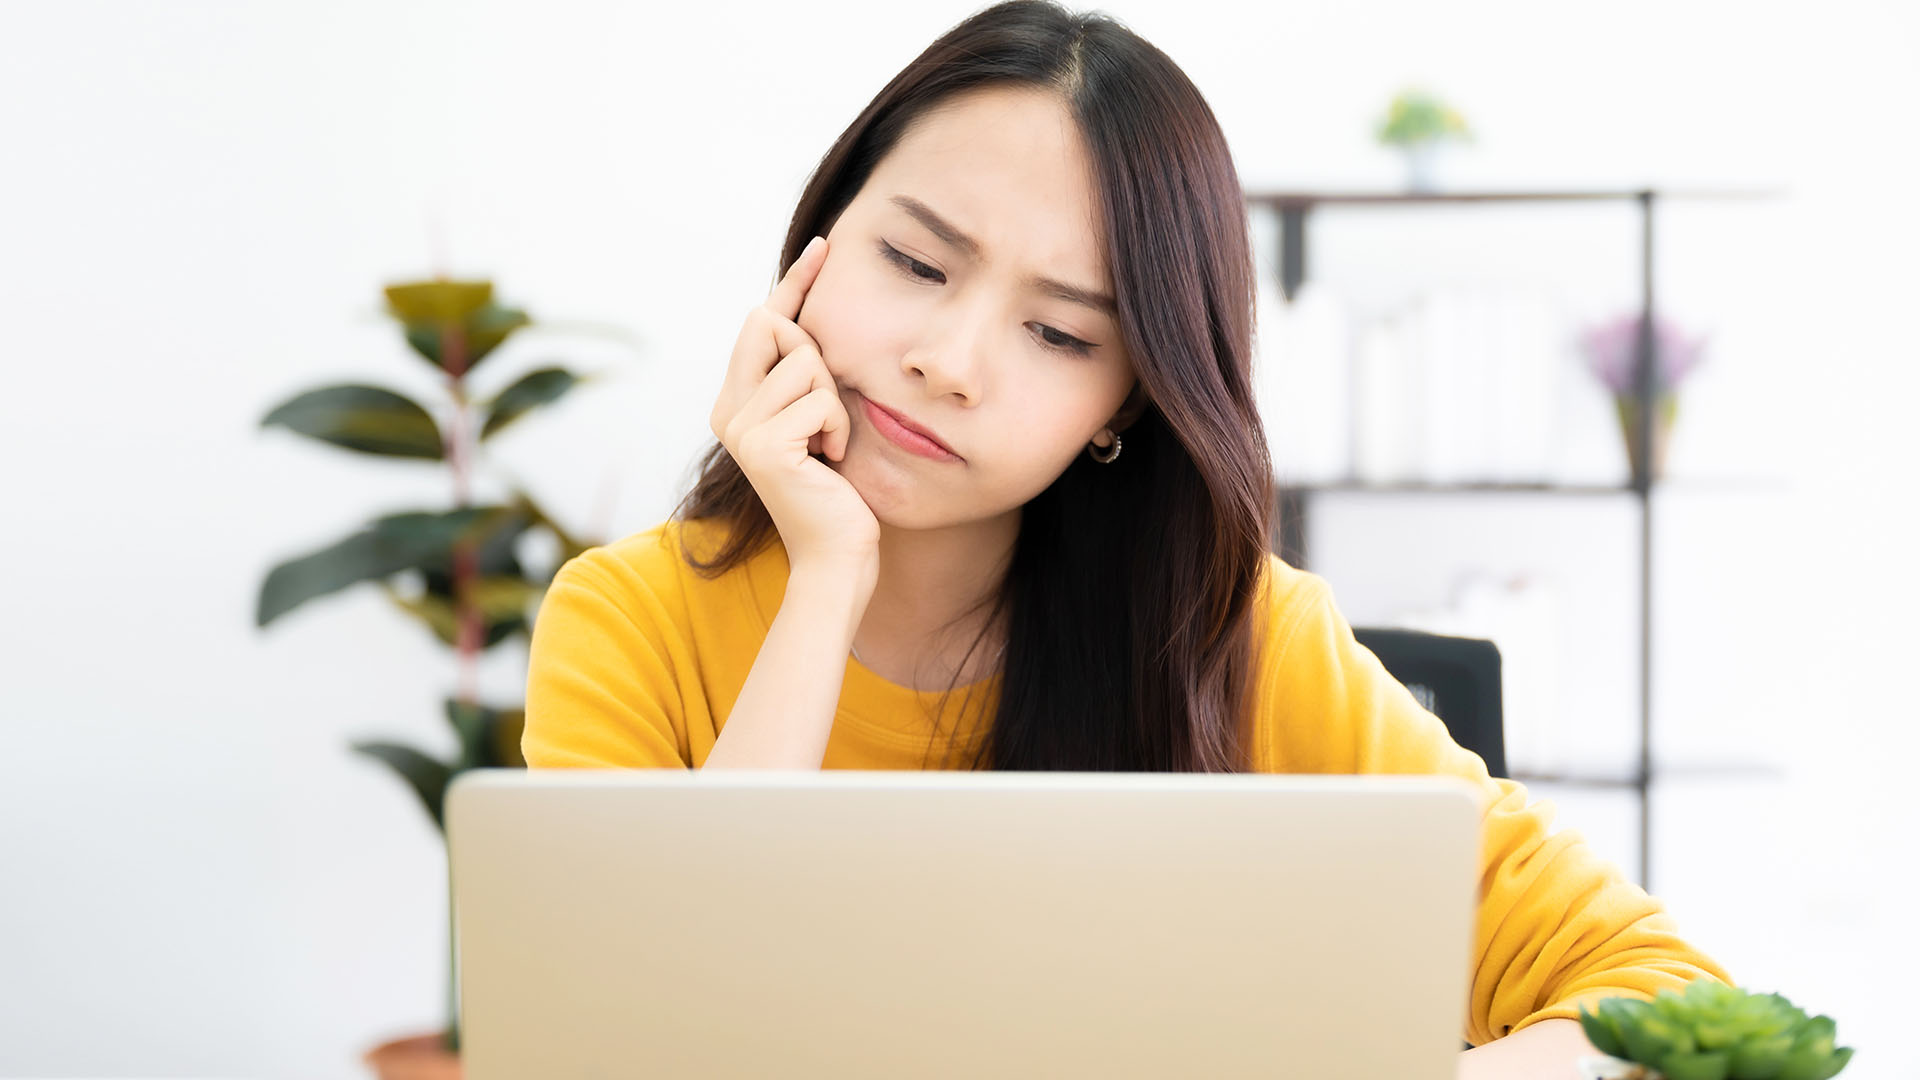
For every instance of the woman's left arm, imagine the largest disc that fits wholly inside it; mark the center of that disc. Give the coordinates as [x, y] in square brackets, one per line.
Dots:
[1548, 1050]
[1556, 925]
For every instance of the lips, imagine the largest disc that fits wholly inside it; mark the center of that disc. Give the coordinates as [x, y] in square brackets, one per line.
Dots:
[908, 423]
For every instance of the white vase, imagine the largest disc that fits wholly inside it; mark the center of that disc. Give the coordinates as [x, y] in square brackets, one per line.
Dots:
[1423, 165]
[1603, 1067]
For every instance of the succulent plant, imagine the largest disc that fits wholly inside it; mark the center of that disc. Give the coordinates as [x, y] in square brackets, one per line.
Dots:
[1712, 1031]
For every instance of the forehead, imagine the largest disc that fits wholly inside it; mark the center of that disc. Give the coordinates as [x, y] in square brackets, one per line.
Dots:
[1009, 168]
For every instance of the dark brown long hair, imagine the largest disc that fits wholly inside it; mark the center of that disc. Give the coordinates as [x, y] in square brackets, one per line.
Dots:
[1128, 601]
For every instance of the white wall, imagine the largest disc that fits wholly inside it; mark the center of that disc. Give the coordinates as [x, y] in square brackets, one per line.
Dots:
[200, 201]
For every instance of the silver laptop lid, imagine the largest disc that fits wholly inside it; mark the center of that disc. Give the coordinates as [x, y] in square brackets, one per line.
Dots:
[667, 923]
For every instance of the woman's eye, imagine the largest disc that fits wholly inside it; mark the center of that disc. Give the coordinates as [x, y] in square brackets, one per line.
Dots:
[912, 267]
[1066, 342]
[919, 271]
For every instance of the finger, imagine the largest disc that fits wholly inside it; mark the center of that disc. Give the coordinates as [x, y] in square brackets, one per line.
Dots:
[835, 445]
[788, 431]
[800, 372]
[783, 337]
[789, 337]
[818, 415]
[765, 340]
[792, 288]
[832, 438]
[765, 337]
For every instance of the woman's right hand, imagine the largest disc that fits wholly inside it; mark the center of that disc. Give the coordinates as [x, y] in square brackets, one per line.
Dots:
[778, 406]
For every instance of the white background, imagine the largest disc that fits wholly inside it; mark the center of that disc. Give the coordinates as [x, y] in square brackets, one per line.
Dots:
[200, 201]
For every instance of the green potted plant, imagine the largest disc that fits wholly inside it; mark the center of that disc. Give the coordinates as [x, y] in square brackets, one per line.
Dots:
[1420, 124]
[1710, 1031]
[457, 570]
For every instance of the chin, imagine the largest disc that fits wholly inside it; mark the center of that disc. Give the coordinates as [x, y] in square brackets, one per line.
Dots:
[898, 500]
[886, 493]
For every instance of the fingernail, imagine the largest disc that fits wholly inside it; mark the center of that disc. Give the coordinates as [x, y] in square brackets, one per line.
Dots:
[814, 243]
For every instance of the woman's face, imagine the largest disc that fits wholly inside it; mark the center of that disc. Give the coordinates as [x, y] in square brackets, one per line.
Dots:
[965, 288]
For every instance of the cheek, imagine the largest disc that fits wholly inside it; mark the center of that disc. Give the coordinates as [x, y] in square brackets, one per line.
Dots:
[1053, 418]
[834, 312]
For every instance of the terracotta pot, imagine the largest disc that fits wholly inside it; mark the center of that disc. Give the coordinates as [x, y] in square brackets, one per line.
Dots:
[416, 1057]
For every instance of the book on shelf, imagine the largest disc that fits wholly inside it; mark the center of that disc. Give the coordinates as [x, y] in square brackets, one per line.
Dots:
[1475, 381]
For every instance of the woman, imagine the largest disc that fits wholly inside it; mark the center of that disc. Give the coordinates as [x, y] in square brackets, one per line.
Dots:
[991, 491]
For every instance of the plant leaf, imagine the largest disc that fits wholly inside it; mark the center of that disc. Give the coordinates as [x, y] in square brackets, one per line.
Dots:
[1694, 1066]
[390, 545]
[426, 776]
[489, 737]
[1760, 1056]
[1602, 1031]
[505, 597]
[369, 419]
[1648, 1039]
[482, 332]
[570, 545]
[503, 601]
[471, 723]
[437, 300]
[436, 613]
[1714, 1034]
[497, 536]
[1806, 1063]
[530, 391]
[506, 740]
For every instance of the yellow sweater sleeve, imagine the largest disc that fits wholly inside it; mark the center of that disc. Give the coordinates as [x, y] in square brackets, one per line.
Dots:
[602, 677]
[1556, 924]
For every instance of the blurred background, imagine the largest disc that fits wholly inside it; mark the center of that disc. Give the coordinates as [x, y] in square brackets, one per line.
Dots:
[202, 202]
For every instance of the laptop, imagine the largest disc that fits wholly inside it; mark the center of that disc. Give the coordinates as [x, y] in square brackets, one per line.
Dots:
[750, 923]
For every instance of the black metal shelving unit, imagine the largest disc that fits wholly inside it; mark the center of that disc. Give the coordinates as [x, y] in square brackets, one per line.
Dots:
[1290, 539]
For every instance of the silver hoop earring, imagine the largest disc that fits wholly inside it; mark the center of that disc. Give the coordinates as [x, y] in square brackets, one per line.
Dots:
[1093, 452]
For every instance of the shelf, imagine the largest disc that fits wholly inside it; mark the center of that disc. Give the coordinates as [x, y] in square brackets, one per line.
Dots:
[1632, 782]
[1501, 487]
[1577, 780]
[1295, 209]
[1421, 487]
[1303, 199]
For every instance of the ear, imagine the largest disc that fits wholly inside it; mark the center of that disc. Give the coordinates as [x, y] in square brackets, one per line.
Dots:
[1130, 409]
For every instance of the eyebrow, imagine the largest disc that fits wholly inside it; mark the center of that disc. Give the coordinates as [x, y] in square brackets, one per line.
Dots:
[1053, 287]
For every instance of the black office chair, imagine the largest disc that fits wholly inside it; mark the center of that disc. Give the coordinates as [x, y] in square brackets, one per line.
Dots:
[1455, 678]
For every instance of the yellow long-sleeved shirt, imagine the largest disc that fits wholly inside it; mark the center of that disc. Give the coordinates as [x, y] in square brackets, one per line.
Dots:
[637, 660]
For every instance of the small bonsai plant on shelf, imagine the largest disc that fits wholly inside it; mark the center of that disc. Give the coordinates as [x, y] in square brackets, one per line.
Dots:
[1710, 1032]
[458, 571]
[1419, 123]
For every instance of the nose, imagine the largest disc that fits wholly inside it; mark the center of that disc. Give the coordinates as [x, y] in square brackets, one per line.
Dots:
[951, 357]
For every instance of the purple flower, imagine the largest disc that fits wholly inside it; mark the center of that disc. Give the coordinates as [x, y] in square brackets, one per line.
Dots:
[1609, 349]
